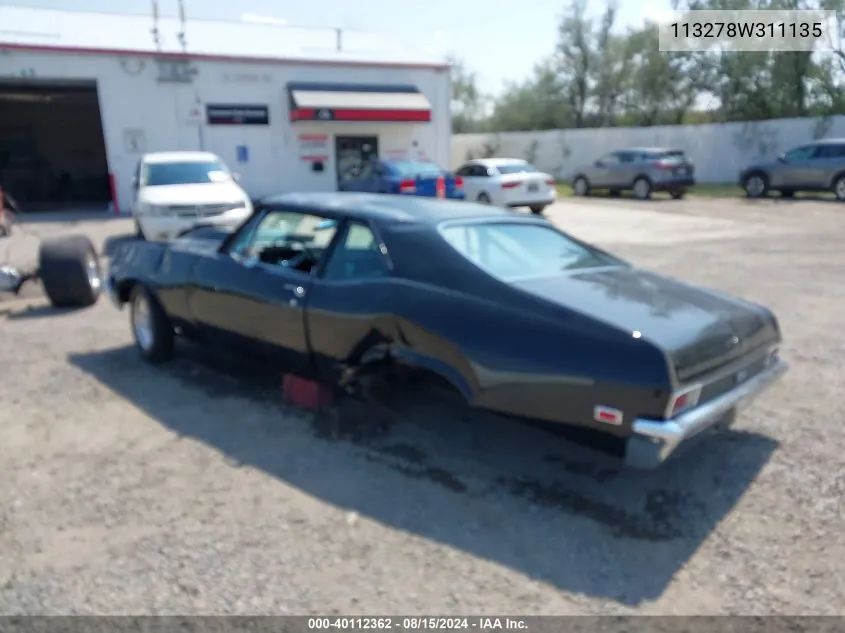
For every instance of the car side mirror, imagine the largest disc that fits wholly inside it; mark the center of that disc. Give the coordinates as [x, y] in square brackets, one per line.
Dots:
[782, 158]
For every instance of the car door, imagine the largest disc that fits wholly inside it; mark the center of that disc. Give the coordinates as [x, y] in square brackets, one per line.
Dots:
[248, 302]
[795, 170]
[604, 172]
[350, 302]
[824, 165]
[467, 172]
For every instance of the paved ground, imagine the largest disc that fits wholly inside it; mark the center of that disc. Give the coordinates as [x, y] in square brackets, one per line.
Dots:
[190, 489]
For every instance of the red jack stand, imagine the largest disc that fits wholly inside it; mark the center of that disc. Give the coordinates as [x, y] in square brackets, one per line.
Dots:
[309, 395]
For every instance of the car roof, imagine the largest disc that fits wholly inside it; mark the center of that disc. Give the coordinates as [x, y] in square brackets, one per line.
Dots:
[650, 149]
[175, 157]
[388, 209]
[493, 162]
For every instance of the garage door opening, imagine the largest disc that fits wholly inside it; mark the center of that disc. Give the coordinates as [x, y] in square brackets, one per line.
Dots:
[52, 151]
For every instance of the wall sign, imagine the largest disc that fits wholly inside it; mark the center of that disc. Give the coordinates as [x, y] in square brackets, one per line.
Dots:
[313, 147]
[228, 114]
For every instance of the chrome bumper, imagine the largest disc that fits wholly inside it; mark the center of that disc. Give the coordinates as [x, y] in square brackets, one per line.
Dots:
[653, 441]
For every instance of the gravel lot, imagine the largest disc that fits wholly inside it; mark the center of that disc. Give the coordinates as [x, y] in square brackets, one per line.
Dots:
[191, 489]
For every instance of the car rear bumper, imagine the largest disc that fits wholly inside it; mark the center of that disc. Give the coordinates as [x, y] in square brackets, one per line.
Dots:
[674, 183]
[653, 441]
[533, 202]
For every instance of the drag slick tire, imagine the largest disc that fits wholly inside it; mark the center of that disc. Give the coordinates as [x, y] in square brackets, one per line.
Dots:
[70, 273]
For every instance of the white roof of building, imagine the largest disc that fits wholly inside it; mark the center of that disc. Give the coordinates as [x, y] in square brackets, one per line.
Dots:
[50, 30]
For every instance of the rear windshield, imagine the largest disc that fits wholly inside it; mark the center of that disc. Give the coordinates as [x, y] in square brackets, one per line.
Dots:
[413, 168]
[511, 252]
[183, 173]
[516, 168]
[675, 155]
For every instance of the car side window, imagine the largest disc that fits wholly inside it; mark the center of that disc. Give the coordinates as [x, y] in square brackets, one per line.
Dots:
[829, 150]
[801, 153]
[483, 172]
[289, 239]
[357, 255]
[609, 160]
[465, 170]
[628, 157]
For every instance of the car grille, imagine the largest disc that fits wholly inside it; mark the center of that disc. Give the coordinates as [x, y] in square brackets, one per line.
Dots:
[201, 211]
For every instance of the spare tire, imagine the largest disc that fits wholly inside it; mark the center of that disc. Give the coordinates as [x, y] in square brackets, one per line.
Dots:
[70, 271]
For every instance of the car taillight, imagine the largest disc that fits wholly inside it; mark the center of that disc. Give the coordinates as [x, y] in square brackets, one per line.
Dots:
[511, 185]
[408, 186]
[683, 401]
[664, 165]
[550, 182]
[459, 182]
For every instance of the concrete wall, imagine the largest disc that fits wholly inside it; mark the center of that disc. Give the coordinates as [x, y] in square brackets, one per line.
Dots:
[718, 150]
[141, 114]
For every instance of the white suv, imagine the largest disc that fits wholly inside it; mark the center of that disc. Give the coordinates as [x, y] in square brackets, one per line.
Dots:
[175, 191]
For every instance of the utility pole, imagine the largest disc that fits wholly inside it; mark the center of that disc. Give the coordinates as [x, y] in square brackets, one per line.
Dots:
[181, 35]
[154, 30]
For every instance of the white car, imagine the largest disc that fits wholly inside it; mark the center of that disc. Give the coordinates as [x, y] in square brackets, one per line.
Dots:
[507, 182]
[175, 191]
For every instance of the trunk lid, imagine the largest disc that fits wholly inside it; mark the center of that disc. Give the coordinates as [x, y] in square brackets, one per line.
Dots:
[700, 330]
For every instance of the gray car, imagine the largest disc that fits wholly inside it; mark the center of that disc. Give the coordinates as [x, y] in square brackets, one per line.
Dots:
[816, 166]
[642, 170]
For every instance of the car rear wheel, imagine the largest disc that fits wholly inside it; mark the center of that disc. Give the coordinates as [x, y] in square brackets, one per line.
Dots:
[756, 186]
[70, 272]
[151, 326]
[642, 188]
[538, 209]
[839, 188]
[483, 198]
[580, 186]
[678, 194]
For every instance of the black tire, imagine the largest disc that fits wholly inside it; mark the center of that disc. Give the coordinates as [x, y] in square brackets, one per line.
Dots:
[483, 198]
[839, 187]
[756, 185]
[642, 188]
[581, 186]
[70, 271]
[538, 210]
[154, 337]
[677, 195]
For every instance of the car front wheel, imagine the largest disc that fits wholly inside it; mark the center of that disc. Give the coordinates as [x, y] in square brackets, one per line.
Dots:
[151, 326]
[839, 188]
[580, 186]
[642, 189]
[756, 186]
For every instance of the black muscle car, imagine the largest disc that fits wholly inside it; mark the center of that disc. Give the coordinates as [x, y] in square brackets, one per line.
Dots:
[522, 319]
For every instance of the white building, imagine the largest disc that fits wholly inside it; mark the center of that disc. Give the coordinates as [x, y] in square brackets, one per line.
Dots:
[83, 95]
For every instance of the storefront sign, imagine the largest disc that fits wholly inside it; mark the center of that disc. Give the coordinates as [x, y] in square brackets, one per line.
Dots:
[313, 147]
[237, 114]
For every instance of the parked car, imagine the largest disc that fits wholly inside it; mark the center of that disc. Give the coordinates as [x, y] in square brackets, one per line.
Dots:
[642, 170]
[408, 177]
[520, 318]
[175, 191]
[816, 166]
[508, 182]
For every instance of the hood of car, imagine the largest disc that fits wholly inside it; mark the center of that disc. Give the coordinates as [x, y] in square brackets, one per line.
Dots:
[693, 326]
[194, 194]
[762, 166]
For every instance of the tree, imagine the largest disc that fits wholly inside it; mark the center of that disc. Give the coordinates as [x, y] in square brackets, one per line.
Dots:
[467, 100]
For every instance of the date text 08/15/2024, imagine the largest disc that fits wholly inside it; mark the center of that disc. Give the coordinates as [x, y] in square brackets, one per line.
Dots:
[415, 623]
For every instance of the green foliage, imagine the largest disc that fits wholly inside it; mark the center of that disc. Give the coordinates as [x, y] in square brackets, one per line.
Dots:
[600, 75]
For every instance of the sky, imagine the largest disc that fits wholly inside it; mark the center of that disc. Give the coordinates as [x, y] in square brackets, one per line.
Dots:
[500, 40]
